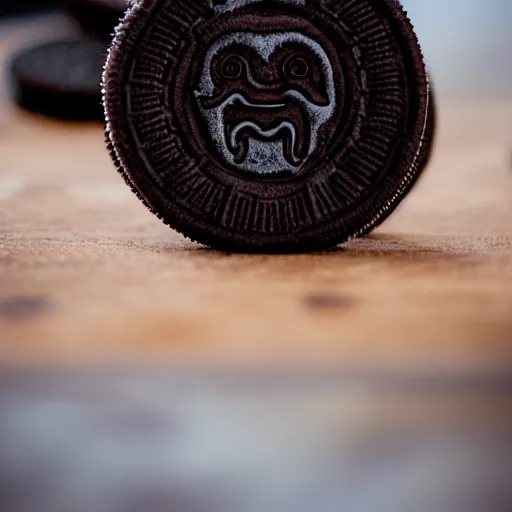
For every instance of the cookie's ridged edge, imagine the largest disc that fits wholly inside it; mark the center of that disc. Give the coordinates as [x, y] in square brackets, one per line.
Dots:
[421, 158]
[428, 143]
[134, 6]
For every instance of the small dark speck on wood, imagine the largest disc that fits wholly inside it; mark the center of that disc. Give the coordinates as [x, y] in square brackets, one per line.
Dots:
[329, 301]
[19, 308]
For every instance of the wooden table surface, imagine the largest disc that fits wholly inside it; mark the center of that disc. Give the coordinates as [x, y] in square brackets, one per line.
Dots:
[87, 275]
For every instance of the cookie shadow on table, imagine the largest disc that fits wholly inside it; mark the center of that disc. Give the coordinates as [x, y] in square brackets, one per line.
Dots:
[413, 249]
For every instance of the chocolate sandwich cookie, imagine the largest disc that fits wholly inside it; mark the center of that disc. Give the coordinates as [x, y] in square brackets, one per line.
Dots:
[61, 79]
[268, 125]
[96, 17]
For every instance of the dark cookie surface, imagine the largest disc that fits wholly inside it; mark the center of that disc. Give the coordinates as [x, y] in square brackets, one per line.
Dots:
[61, 79]
[269, 125]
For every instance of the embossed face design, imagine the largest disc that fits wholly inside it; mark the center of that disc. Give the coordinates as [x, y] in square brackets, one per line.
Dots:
[264, 98]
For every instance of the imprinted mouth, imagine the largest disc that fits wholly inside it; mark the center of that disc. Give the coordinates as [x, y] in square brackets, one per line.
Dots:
[238, 142]
[280, 118]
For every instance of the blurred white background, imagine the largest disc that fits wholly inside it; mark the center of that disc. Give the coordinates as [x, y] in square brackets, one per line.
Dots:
[467, 43]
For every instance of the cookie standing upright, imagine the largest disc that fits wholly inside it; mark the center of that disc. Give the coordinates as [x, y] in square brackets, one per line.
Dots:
[262, 125]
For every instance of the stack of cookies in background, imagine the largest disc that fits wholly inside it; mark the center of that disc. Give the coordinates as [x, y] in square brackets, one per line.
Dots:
[62, 78]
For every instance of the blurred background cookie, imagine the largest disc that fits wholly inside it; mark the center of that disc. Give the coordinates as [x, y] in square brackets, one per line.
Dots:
[60, 79]
[11, 7]
[96, 18]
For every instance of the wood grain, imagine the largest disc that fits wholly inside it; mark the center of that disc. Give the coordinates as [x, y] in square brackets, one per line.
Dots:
[88, 276]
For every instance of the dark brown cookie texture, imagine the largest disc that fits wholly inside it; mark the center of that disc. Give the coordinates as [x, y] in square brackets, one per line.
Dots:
[61, 79]
[268, 126]
[96, 17]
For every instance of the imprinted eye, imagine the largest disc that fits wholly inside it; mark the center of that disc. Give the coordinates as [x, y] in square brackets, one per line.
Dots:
[232, 68]
[297, 67]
